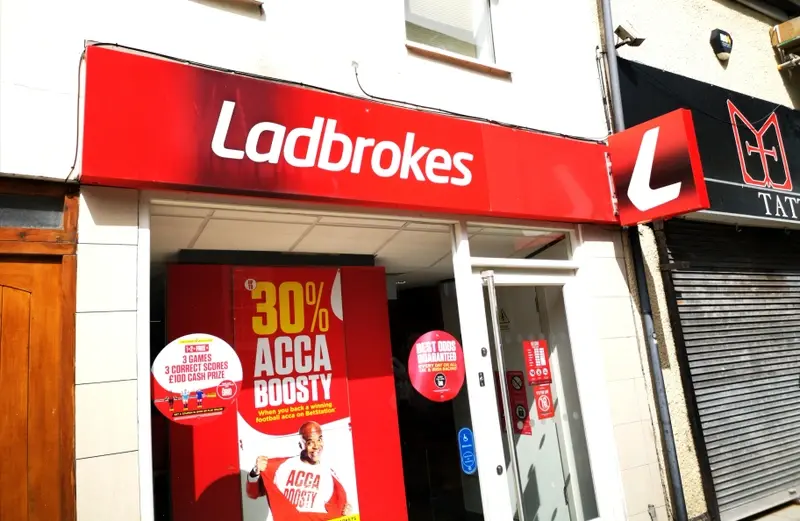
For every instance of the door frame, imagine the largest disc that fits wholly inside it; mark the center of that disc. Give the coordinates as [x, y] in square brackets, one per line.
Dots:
[498, 503]
[39, 243]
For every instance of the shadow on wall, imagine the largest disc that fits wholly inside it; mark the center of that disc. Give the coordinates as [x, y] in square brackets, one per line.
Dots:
[531, 499]
[652, 273]
[657, 311]
[251, 10]
[791, 79]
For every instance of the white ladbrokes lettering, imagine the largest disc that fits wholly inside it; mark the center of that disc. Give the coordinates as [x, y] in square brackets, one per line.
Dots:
[421, 163]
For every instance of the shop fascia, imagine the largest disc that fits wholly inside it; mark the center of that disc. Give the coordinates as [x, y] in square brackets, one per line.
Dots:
[259, 136]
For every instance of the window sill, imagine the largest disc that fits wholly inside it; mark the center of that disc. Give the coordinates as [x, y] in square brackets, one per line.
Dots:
[456, 59]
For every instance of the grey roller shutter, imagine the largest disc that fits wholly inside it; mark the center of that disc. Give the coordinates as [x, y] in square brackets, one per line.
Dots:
[737, 294]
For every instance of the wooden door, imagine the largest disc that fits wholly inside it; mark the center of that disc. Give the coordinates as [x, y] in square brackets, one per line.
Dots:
[36, 386]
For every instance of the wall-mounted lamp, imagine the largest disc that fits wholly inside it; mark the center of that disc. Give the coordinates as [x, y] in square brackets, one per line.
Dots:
[722, 43]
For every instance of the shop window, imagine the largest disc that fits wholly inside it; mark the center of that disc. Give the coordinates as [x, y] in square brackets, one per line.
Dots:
[459, 26]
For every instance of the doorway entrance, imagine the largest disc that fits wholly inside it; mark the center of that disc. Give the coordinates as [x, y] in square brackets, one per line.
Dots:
[530, 438]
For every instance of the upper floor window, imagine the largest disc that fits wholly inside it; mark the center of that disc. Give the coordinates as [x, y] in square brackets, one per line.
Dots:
[459, 26]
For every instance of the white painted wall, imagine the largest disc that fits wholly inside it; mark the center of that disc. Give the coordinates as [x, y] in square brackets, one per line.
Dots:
[608, 281]
[677, 36]
[106, 438]
[554, 83]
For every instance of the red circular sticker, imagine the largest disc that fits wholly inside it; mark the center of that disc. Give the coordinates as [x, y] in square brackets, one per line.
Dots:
[196, 378]
[436, 366]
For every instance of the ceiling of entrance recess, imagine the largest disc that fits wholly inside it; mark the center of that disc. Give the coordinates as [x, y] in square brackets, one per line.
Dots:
[414, 252]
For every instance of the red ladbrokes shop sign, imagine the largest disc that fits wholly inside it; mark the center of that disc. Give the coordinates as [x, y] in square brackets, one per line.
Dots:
[154, 123]
[151, 122]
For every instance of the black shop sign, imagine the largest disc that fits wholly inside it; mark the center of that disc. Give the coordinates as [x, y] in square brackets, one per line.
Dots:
[749, 148]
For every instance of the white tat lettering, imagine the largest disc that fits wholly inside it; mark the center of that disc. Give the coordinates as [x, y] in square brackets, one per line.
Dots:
[767, 198]
[779, 211]
[269, 142]
[776, 206]
[792, 201]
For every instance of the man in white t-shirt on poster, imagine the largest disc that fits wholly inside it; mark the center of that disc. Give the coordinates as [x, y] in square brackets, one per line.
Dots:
[299, 488]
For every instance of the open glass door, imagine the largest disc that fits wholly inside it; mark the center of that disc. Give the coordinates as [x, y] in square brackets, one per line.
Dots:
[547, 465]
[531, 446]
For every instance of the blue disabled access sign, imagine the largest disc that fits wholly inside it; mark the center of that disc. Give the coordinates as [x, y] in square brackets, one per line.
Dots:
[466, 448]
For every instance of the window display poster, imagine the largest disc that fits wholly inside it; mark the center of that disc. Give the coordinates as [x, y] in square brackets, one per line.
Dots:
[537, 361]
[295, 442]
[195, 378]
[436, 366]
[517, 402]
[545, 408]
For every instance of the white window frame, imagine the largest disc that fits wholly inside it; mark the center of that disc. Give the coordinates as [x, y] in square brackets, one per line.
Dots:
[484, 41]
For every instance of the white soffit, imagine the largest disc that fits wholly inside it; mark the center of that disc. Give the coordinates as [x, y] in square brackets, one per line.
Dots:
[418, 251]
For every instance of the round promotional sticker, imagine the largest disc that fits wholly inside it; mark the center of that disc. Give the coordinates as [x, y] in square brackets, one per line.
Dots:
[436, 366]
[196, 378]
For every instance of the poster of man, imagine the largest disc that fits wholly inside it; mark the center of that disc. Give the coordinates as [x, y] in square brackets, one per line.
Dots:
[300, 487]
[295, 443]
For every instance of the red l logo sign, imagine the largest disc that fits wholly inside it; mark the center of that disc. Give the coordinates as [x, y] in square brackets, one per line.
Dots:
[641, 195]
[656, 169]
